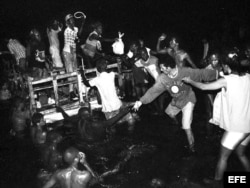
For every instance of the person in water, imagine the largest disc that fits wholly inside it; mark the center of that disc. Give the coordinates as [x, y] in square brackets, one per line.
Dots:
[72, 176]
[89, 127]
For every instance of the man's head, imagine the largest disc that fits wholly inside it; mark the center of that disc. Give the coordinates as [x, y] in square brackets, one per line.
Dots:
[232, 63]
[38, 119]
[69, 20]
[214, 60]
[35, 35]
[84, 113]
[174, 43]
[98, 27]
[54, 24]
[133, 47]
[247, 51]
[144, 54]
[167, 65]
[71, 156]
[101, 65]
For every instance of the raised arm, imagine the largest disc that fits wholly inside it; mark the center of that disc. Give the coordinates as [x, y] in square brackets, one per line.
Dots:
[85, 163]
[81, 27]
[159, 50]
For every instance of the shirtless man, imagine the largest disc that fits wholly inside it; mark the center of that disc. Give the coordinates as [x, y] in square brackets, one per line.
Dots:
[180, 56]
[72, 177]
[91, 128]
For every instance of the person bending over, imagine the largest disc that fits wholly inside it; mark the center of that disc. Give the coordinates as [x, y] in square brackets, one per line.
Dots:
[183, 97]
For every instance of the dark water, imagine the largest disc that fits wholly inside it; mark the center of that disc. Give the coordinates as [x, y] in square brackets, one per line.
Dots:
[160, 153]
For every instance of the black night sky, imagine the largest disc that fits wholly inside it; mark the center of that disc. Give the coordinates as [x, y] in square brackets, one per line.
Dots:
[192, 19]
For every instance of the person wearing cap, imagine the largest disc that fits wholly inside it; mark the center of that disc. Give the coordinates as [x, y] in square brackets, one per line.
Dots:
[71, 35]
[72, 177]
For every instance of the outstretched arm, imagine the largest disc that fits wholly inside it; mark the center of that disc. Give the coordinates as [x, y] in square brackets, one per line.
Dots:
[110, 122]
[84, 79]
[218, 84]
[61, 110]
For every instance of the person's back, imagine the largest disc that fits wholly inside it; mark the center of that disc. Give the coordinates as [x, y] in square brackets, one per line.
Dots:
[105, 82]
[237, 102]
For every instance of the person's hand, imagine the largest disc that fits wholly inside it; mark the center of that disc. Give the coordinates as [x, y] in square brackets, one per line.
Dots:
[187, 80]
[82, 157]
[162, 37]
[84, 16]
[137, 105]
[120, 34]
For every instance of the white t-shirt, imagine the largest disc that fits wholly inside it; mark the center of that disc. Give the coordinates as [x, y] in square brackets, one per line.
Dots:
[105, 82]
[234, 104]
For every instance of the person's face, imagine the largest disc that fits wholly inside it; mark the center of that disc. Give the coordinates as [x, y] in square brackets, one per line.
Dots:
[37, 36]
[71, 22]
[164, 69]
[226, 69]
[214, 60]
[247, 52]
[144, 55]
[133, 48]
[173, 43]
[99, 30]
[85, 114]
[141, 42]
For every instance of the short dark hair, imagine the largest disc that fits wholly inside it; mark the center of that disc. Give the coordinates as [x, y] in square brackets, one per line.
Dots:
[232, 60]
[168, 61]
[70, 154]
[101, 65]
[36, 118]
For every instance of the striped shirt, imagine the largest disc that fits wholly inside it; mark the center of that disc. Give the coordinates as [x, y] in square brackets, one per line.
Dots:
[69, 38]
[17, 49]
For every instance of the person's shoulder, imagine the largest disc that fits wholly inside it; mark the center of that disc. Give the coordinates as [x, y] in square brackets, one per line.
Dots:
[153, 58]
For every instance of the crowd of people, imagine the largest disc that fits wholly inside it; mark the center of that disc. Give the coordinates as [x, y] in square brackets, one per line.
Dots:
[150, 77]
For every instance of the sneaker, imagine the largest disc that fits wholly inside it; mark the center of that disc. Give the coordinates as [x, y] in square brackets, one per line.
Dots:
[73, 96]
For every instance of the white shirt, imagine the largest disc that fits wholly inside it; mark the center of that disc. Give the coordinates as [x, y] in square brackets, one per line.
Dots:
[234, 104]
[105, 82]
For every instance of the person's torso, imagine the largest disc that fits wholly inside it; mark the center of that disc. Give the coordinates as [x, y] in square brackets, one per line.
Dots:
[69, 39]
[17, 49]
[53, 39]
[106, 85]
[91, 46]
[181, 92]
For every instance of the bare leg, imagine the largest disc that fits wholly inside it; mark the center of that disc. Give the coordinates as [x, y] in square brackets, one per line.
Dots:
[222, 163]
[240, 150]
[190, 138]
